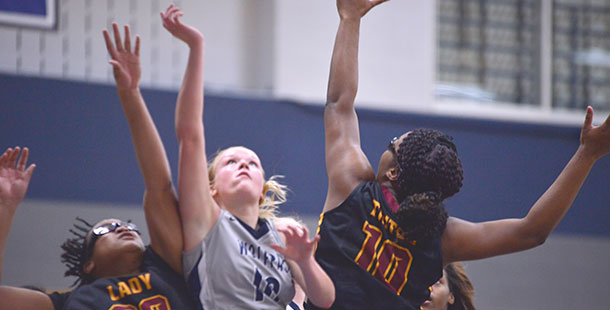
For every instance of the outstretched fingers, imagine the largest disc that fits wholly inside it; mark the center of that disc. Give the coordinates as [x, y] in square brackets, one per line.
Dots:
[23, 160]
[109, 45]
[4, 158]
[137, 50]
[117, 37]
[127, 38]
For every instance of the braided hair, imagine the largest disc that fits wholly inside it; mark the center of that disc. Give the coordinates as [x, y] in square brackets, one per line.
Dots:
[422, 216]
[428, 161]
[76, 253]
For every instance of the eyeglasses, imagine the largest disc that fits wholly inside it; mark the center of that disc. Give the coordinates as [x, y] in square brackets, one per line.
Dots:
[392, 149]
[110, 227]
[106, 229]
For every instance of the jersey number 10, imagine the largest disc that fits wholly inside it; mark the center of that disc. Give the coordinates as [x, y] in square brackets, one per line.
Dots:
[388, 261]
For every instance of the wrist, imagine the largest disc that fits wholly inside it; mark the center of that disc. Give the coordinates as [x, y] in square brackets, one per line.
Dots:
[126, 92]
[349, 18]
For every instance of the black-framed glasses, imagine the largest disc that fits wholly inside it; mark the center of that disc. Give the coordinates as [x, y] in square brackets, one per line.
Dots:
[106, 229]
[392, 148]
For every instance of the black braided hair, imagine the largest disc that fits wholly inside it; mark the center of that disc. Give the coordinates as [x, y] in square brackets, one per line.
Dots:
[422, 216]
[76, 253]
[428, 161]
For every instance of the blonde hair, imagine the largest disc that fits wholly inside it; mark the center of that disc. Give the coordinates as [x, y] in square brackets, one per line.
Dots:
[274, 193]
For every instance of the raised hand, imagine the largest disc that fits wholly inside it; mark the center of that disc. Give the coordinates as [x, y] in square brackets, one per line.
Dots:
[298, 246]
[171, 22]
[14, 177]
[356, 8]
[595, 140]
[125, 62]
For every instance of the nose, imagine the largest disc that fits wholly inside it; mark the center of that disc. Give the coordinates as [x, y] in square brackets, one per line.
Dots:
[244, 164]
[121, 229]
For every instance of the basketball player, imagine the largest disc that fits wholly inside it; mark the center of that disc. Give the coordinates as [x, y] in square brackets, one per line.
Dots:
[385, 238]
[114, 269]
[235, 257]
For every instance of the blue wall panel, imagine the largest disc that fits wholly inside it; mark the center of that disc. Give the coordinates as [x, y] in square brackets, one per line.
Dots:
[81, 144]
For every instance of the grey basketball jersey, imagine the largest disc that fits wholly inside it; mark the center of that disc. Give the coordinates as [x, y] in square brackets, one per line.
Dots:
[235, 268]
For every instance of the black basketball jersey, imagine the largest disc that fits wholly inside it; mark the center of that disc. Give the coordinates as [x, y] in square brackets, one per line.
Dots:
[156, 287]
[371, 263]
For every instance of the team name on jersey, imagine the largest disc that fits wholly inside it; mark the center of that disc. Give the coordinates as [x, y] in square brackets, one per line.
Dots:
[269, 259]
[389, 224]
[132, 286]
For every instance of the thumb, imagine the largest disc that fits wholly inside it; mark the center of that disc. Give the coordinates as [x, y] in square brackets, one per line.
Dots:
[29, 171]
[588, 118]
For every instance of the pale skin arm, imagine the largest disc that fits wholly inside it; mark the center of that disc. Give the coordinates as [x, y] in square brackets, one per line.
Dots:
[463, 240]
[346, 164]
[198, 210]
[307, 273]
[14, 181]
[160, 201]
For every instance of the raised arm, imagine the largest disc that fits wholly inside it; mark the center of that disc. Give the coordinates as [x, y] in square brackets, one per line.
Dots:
[464, 240]
[198, 210]
[14, 181]
[160, 201]
[346, 164]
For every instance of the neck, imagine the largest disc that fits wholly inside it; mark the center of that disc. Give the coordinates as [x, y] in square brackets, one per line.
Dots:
[123, 265]
[246, 212]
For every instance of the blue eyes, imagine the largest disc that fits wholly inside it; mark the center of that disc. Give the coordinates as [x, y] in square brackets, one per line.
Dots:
[233, 161]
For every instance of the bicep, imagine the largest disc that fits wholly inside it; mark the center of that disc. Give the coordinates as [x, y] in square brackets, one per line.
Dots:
[14, 298]
[464, 240]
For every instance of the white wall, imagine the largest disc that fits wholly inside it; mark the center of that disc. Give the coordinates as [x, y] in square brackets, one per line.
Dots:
[397, 52]
[281, 48]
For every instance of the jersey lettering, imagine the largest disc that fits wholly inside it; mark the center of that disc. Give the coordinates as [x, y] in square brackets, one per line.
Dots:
[132, 286]
[392, 261]
[156, 302]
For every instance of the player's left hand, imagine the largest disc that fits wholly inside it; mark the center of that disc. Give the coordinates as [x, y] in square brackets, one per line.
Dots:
[595, 140]
[298, 246]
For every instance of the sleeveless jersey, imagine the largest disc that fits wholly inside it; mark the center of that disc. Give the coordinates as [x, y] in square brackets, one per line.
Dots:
[156, 287]
[235, 268]
[368, 258]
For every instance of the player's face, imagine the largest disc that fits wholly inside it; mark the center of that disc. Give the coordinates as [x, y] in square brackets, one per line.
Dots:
[440, 296]
[111, 236]
[238, 172]
[389, 158]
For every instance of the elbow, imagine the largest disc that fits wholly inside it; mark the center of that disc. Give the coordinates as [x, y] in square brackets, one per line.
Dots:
[534, 239]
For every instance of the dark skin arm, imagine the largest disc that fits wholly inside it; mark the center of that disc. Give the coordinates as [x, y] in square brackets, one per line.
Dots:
[463, 240]
[346, 164]
[14, 181]
[160, 201]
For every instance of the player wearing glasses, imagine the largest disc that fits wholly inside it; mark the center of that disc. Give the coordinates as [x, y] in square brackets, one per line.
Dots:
[114, 269]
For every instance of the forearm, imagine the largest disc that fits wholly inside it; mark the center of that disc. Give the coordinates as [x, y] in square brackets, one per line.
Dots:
[548, 211]
[189, 109]
[7, 214]
[147, 143]
[343, 79]
[319, 288]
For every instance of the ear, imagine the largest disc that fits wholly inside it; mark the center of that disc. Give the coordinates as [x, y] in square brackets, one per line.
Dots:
[392, 174]
[88, 267]
[451, 299]
[213, 190]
